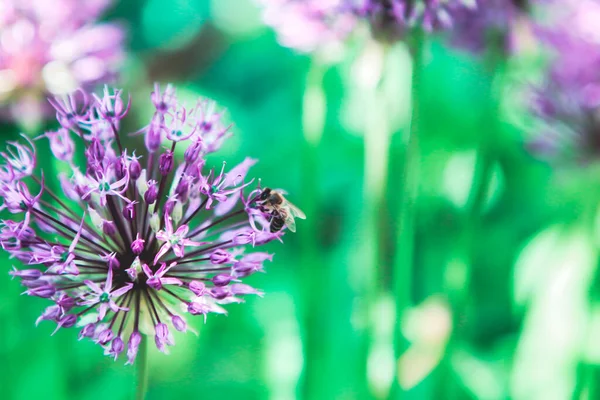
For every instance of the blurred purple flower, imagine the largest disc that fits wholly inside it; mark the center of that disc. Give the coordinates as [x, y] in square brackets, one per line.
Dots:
[393, 18]
[122, 264]
[308, 25]
[568, 101]
[573, 36]
[52, 48]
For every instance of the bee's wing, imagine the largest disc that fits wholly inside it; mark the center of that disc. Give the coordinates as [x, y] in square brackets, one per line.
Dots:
[289, 221]
[295, 211]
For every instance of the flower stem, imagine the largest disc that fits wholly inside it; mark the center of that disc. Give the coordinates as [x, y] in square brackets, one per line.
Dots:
[405, 242]
[372, 82]
[461, 292]
[142, 375]
[315, 314]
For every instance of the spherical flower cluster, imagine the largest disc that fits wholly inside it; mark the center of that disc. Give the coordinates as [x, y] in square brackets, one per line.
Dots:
[133, 244]
[568, 100]
[52, 47]
[311, 24]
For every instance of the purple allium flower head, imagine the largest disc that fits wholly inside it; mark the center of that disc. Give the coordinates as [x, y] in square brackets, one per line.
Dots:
[53, 47]
[308, 25]
[123, 263]
[567, 102]
[392, 19]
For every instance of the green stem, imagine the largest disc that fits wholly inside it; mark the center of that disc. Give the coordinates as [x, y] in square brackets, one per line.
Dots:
[404, 260]
[142, 364]
[460, 292]
[376, 145]
[314, 311]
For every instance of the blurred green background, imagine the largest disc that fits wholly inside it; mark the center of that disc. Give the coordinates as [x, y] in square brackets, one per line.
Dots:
[500, 303]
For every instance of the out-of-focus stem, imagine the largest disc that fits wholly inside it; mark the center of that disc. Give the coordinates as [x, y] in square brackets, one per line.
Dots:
[478, 194]
[371, 73]
[405, 243]
[142, 365]
[314, 107]
[314, 312]
[459, 295]
[377, 136]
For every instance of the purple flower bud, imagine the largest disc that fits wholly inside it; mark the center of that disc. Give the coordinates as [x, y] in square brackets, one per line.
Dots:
[243, 269]
[10, 243]
[196, 171]
[132, 272]
[220, 256]
[152, 192]
[120, 168]
[155, 283]
[161, 330]
[116, 347]
[251, 263]
[45, 291]
[162, 336]
[197, 287]
[129, 211]
[26, 274]
[221, 279]
[133, 346]
[197, 308]
[96, 150]
[193, 151]
[67, 321]
[51, 313]
[219, 293]
[182, 190]
[23, 256]
[135, 169]
[25, 235]
[169, 206]
[179, 323]
[165, 163]
[87, 331]
[109, 228]
[34, 283]
[153, 136]
[66, 302]
[137, 246]
[105, 336]
[244, 238]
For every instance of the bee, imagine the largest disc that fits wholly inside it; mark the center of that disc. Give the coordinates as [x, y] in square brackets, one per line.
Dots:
[281, 211]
